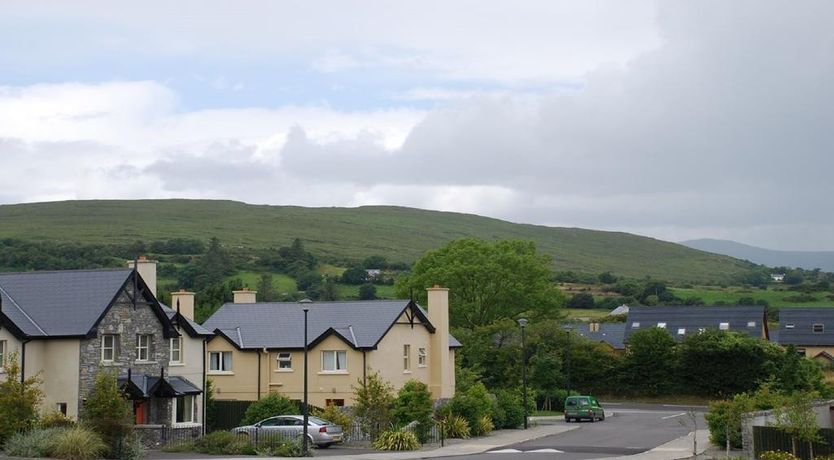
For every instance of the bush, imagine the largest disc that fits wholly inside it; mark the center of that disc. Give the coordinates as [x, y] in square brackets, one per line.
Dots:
[291, 448]
[455, 426]
[724, 416]
[485, 425]
[78, 443]
[414, 404]
[133, 449]
[18, 400]
[35, 443]
[336, 415]
[107, 412]
[508, 410]
[374, 403]
[777, 455]
[472, 404]
[55, 419]
[397, 440]
[269, 406]
[223, 443]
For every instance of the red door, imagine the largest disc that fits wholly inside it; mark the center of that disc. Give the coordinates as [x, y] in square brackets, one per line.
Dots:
[139, 412]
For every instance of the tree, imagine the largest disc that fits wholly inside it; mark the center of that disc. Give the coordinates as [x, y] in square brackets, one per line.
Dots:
[607, 278]
[367, 292]
[378, 262]
[269, 406]
[650, 363]
[108, 412]
[19, 401]
[307, 280]
[797, 418]
[581, 300]
[414, 404]
[354, 275]
[266, 291]
[374, 404]
[487, 281]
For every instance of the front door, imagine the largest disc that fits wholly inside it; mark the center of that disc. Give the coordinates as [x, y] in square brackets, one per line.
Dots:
[139, 409]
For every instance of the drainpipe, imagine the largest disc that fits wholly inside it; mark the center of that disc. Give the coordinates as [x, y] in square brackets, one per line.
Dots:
[205, 387]
[364, 368]
[23, 361]
[259, 374]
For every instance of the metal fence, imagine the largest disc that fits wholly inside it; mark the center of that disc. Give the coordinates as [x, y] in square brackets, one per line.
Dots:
[226, 415]
[767, 438]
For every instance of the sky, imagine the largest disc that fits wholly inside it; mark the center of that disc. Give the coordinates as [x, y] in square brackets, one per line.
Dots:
[671, 119]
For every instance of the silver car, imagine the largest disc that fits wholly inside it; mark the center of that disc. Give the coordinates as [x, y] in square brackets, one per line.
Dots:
[320, 433]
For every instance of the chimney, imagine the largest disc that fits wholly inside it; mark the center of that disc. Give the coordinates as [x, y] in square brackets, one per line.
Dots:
[594, 327]
[245, 296]
[183, 301]
[147, 270]
[442, 367]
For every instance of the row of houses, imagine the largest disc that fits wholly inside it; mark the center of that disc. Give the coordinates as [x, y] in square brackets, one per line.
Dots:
[810, 330]
[67, 326]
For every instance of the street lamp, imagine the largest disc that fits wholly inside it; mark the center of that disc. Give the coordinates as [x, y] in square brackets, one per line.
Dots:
[305, 306]
[567, 360]
[522, 322]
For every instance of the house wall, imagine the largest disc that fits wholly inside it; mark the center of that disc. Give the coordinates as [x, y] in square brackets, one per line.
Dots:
[191, 369]
[12, 346]
[388, 358]
[242, 382]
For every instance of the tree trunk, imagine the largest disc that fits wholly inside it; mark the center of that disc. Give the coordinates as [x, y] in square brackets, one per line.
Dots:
[793, 446]
[811, 449]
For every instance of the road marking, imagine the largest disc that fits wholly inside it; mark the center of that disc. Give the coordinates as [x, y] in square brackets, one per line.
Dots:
[505, 451]
[673, 416]
[684, 405]
[552, 451]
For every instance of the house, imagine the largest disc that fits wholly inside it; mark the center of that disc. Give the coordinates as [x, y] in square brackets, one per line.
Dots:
[810, 330]
[777, 277]
[67, 326]
[610, 334]
[621, 310]
[259, 347]
[682, 321]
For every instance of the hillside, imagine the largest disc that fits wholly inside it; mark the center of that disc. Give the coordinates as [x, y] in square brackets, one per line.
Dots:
[341, 234]
[807, 260]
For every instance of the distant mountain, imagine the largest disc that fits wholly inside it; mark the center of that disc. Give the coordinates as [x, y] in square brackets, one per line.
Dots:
[808, 260]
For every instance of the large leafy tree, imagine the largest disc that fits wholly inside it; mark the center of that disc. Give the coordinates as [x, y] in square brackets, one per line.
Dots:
[651, 363]
[487, 281]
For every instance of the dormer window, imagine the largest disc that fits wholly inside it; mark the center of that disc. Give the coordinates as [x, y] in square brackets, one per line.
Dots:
[724, 326]
[661, 325]
[818, 328]
[790, 326]
[635, 324]
[751, 324]
[681, 331]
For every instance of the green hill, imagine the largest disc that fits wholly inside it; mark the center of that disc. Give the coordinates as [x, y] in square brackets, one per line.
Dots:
[342, 234]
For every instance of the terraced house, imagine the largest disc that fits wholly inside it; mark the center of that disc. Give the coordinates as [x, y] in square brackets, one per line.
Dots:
[259, 347]
[67, 326]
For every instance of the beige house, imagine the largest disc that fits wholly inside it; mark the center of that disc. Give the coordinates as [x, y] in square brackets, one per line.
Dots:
[66, 326]
[259, 347]
[811, 332]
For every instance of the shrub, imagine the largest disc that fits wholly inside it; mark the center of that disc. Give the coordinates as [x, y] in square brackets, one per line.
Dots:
[455, 426]
[485, 425]
[107, 412]
[336, 415]
[414, 404]
[133, 449]
[35, 443]
[223, 443]
[291, 448]
[374, 402]
[508, 410]
[397, 440]
[78, 443]
[777, 455]
[472, 404]
[269, 406]
[724, 416]
[55, 419]
[18, 400]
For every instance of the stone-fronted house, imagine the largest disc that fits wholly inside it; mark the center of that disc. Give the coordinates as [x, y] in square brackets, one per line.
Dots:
[259, 347]
[682, 321]
[810, 330]
[67, 326]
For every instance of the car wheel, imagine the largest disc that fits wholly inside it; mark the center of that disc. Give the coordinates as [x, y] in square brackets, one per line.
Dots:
[567, 419]
[602, 417]
[324, 446]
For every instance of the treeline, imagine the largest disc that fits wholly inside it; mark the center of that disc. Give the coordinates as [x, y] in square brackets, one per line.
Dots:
[713, 364]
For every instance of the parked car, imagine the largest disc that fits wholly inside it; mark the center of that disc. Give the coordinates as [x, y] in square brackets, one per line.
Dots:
[321, 433]
[583, 407]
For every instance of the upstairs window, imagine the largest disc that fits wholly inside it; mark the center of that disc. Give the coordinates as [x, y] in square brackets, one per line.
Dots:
[334, 361]
[724, 326]
[406, 357]
[421, 357]
[143, 347]
[790, 326]
[661, 325]
[108, 348]
[818, 328]
[681, 331]
[635, 324]
[751, 324]
[220, 361]
[176, 350]
[285, 361]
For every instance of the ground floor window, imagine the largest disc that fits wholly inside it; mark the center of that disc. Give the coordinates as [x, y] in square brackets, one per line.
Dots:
[184, 409]
[334, 402]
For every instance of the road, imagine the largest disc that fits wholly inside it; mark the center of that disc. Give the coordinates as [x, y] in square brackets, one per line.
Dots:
[628, 429]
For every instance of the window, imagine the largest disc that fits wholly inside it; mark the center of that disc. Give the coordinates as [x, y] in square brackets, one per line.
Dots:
[62, 408]
[789, 326]
[661, 325]
[406, 357]
[176, 350]
[635, 324]
[701, 330]
[143, 347]
[421, 357]
[285, 361]
[681, 331]
[220, 361]
[334, 402]
[2, 355]
[751, 324]
[108, 348]
[724, 326]
[184, 409]
[818, 328]
[333, 361]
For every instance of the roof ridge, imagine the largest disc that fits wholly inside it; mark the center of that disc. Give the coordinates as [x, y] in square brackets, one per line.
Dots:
[79, 270]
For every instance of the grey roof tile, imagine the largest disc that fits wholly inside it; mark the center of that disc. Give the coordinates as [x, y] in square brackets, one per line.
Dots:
[693, 318]
[803, 320]
[610, 333]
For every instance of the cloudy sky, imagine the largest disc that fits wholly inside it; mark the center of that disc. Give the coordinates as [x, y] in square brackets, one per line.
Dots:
[673, 119]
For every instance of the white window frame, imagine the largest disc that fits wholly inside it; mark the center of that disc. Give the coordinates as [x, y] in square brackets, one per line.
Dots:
[284, 358]
[635, 324]
[681, 331]
[2, 355]
[751, 324]
[789, 325]
[724, 326]
[104, 348]
[661, 325]
[176, 349]
[336, 362]
[406, 357]
[189, 413]
[143, 347]
[821, 328]
[221, 362]
[421, 357]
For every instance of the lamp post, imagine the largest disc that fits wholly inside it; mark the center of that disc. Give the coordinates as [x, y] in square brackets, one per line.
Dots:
[567, 360]
[522, 322]
[306, 412]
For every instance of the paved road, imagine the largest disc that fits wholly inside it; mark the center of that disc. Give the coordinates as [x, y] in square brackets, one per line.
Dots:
[627, 429]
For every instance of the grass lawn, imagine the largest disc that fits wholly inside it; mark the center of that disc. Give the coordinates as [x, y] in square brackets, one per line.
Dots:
[585, 313]
[730, 295]
[280, 282]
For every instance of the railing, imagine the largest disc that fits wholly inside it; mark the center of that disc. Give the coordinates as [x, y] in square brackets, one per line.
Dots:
[767, 438]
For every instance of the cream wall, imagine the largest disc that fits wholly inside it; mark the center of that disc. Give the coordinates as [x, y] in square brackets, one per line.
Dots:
[12, 346]
[388, 358]
[241, 383]
[191, 367]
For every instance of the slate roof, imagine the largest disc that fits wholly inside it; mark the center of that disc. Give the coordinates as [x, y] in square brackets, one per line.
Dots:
[59, 303]
[610, 333]
[803, 319]
[693, 318]
[146, 386]
[196, 328]
[362, 324]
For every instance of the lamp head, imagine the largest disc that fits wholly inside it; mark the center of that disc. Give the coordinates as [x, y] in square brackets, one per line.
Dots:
[522, 322]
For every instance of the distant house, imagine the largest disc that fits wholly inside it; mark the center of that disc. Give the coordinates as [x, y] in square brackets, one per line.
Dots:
[69, 325]
[611, 334]
[373, 273]
[621, 310]
[810, 330]
[682, 321]
[258, 348]
[777, 277]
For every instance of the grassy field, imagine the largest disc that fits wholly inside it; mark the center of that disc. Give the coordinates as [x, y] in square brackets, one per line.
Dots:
[351, 234]
[585, 313]
[730, 295]
[284, 284]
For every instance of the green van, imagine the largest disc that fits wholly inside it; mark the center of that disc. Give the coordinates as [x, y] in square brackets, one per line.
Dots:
[579, 407]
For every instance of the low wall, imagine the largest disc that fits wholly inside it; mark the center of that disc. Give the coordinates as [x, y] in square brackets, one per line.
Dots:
[822, 409]
[156, 436]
